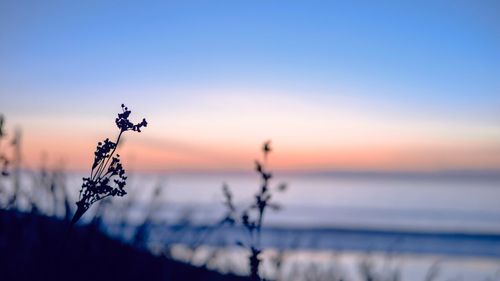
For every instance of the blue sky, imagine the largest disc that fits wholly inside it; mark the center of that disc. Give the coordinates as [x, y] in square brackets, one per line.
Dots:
[421, 64]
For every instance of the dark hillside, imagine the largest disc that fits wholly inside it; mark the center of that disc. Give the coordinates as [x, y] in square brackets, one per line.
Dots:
[33, 247]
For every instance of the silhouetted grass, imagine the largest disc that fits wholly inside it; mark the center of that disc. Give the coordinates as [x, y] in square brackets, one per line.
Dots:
[4, 158]
[252, 217]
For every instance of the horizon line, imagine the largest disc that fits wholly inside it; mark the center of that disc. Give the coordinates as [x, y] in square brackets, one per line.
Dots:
[439, 173]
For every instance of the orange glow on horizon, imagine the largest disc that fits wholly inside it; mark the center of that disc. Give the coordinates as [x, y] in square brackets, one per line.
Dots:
[78, 155]
[207, 136]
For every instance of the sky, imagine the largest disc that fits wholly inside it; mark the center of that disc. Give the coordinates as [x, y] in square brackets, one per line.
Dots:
[336, 85]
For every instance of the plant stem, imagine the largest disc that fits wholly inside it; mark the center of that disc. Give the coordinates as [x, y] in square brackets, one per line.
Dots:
[101, 170]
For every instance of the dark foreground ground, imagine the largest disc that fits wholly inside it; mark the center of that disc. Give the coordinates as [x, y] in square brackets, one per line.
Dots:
[34, 247]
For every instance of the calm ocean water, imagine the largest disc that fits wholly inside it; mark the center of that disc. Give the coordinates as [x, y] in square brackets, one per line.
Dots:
[428, 204]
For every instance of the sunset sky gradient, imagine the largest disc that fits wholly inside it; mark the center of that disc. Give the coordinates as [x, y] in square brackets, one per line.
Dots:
[376, 85]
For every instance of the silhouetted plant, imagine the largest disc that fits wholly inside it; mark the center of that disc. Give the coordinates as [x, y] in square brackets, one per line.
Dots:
[16, 167]
[60, 193]
[253, 216]
[142, 231]
[107, 177]
[4, 160]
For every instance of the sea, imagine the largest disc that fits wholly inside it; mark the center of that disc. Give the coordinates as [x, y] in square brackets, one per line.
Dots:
[415, 221]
